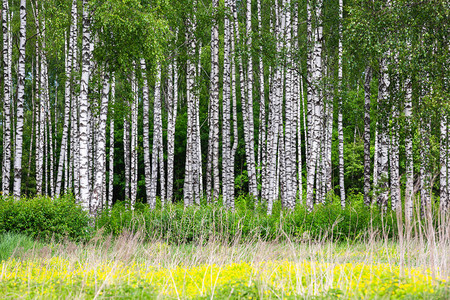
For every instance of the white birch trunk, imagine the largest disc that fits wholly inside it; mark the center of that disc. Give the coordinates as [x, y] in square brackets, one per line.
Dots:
[126, 153]
[7, 60]
[198, 170]
[249, 135]
[340, 126]
[84, 198]
[20, 102]
[368, 79]
[289, 140]
[100, 172]
[409, 190]
[316, 101]
[274, 123]
[146, 135]
[191, 147]
[300, 114]
[227, 179]
[383, 166]
[262, 100]
[157, 147]
[394, 160]
[39, 125]
[172, 119]
[133, 168]
[234, 111]
[111, 142]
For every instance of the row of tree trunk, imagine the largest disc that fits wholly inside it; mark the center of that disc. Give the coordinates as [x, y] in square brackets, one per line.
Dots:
[296, 128]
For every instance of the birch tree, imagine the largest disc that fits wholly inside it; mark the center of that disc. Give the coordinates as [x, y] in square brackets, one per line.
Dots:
[157, 149]
[20, 102]
[111, 142]
[172, 94]
[383, 166]
[274, 123]
[409, 189]
[368, 79]
[83, 106]
[191, 180]
[340, 127]
[214, 109]
[227, 168]
[146, 136]
[249, 135]
[314, 99]
[7, 61]
[100, 173]
[133, 147]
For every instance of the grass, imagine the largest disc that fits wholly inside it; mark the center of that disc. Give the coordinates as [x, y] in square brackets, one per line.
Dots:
[129, 266]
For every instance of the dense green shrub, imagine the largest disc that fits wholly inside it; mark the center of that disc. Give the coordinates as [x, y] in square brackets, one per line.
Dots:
[44, 217]
[177, 224]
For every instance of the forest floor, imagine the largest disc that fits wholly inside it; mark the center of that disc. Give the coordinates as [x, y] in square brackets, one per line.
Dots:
[129, 267]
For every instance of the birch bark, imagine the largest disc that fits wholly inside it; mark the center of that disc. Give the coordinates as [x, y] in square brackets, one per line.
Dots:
[274, 123]
[20, 102]
[111, 142]
[133, 149]
[227, 181]
[100, 172]
[191, 149]
[262, 100]
[173, 105]
[409, 190]
[368, 79]
[316, 101]
[84, 198]
[383, 166]
[146, 136]
[7, 60]
[340, 127]
[214, 106]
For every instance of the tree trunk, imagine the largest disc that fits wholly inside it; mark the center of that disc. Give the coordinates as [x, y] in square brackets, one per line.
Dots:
[84, 198]
[274, 123]
[262, 100]
[315, 70]
[100, 172]
[20, 102]
[227, 169]
[409, 190]
[146, 135]
[394, 160]
[126, 153]
[172, 116]
[383, 166]
[249, 135]
[213, 181]
[7, 61]
[368, 79]
[111, 141]
[134, 117]
[40, 124]
[340, 126]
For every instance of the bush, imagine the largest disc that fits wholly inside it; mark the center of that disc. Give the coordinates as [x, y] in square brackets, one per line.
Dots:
[44, 217]
[248, 221]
